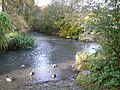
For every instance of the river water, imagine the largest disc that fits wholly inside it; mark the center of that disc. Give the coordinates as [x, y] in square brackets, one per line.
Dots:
[48, 50]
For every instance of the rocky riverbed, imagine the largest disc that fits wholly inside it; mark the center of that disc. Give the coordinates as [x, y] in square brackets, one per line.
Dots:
[52, 85]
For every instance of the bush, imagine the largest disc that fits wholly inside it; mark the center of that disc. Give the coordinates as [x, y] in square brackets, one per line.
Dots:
[5, 22]
[21, 41]
[12, 40]
[70, 27]
[19, 23]
[5, 27]
[4, 42]
[82, 60]
[105, 64]
[105, 72]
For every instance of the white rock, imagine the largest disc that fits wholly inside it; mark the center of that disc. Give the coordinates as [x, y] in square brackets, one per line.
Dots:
[9, 79]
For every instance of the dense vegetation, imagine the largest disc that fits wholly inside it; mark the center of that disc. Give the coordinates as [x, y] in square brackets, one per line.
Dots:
[108, 24]
[22, 13]
[64, 18]
[16, 19]
[5, 27]
[10, 39]
[104, 65]
[70, 19]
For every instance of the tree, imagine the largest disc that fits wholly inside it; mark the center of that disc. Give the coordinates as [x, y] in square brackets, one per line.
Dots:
[64, 18]
[24, 10]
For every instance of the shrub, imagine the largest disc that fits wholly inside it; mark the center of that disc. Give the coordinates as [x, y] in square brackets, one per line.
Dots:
[5, 22]
[5, 27]
[21, 41]
[82, 60]
[105, 72]
[19, 23]
[105, 64]
[70, 27]
[12, 40]
[4, 42]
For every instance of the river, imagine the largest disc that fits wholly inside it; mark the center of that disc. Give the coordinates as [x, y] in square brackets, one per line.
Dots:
[48, 50]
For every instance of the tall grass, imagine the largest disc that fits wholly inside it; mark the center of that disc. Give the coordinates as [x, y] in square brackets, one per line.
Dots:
[14, 40]
[21, 41]
[5, 27]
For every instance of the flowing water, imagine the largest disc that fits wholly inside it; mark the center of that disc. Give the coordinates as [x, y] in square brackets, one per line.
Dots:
[48, 50]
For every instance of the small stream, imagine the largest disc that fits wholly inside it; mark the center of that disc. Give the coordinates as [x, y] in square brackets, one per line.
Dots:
[48, 50]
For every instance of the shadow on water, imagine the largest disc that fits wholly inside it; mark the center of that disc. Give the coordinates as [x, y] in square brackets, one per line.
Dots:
[48, 50]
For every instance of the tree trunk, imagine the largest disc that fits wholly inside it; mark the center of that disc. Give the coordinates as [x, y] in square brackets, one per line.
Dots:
[3, 5]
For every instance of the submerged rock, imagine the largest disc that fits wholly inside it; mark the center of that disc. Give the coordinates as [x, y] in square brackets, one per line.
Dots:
[86, 72]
